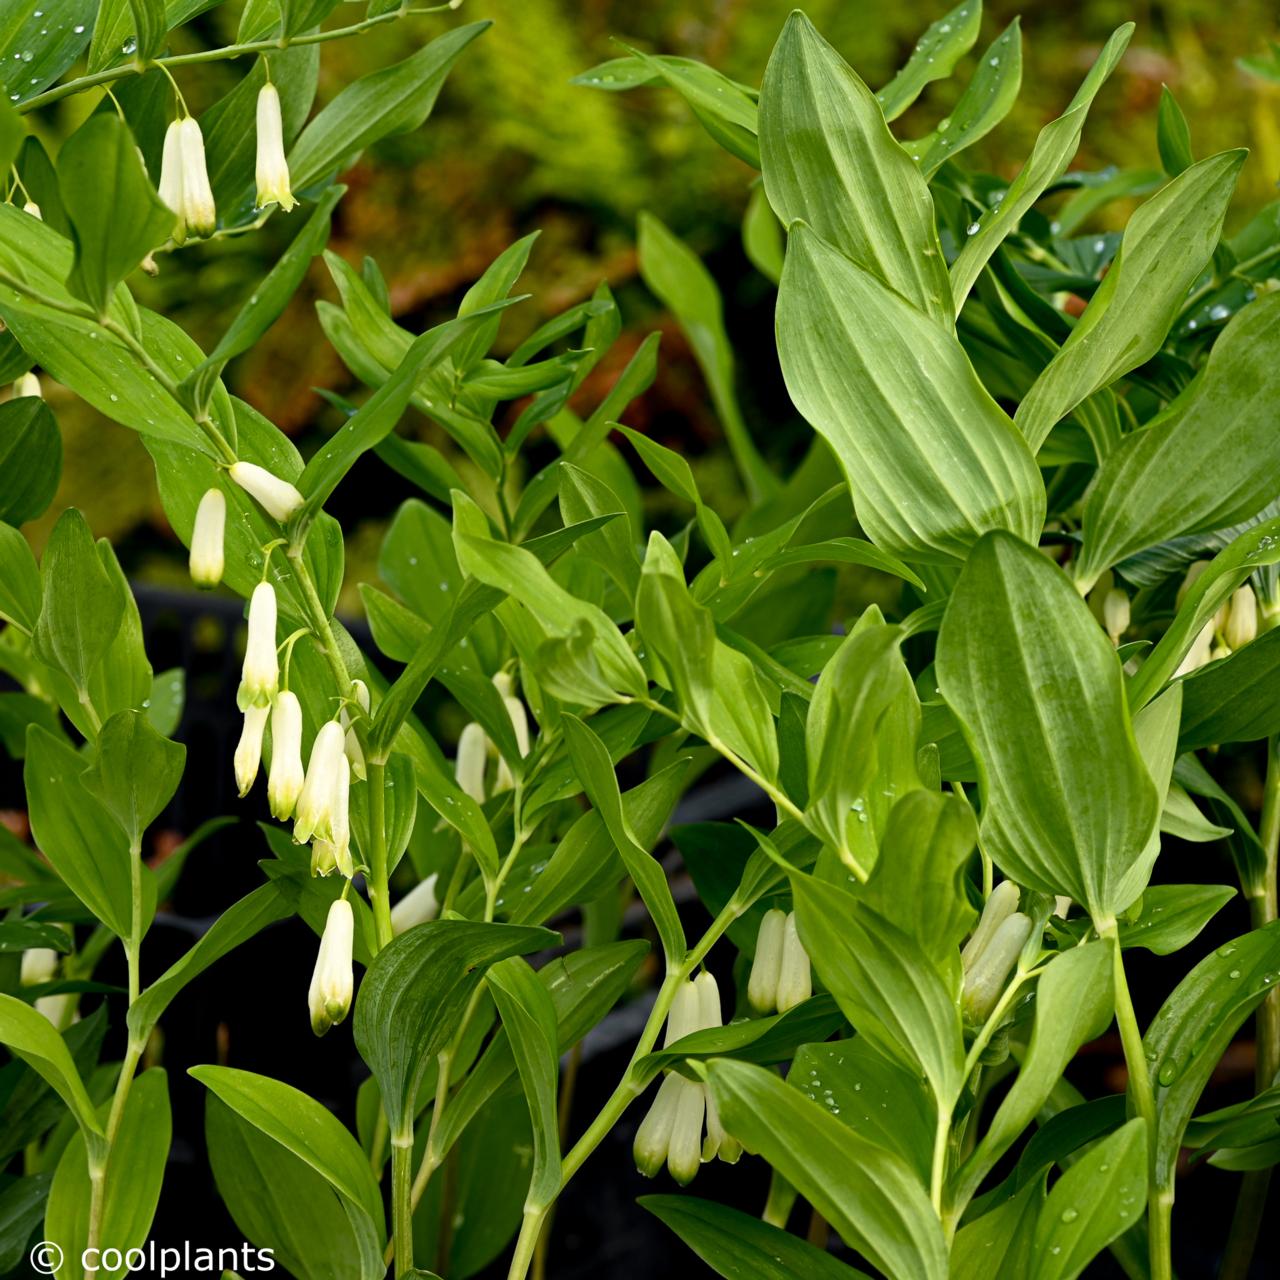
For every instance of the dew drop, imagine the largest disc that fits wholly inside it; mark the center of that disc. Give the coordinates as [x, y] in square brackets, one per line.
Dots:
[1070, 1215]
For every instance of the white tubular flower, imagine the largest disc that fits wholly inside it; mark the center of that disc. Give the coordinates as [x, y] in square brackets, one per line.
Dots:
[312, 816]
[339, 817]
[505, 780]
[1201, 651]
[260, 675]
[39, 965]
[285, 779]
[332, 982]
[1193, 572]
[272, 168]
[278, 498]
[985, 980]
[417, 906]
[170, 189]
[762, 985]
[355, 755]
[1002, 903]
[27, 385]
[795, 977]
[207, 538]
[197, 196]
[249, 749]
[468, 769]
[1115, 613]
[1242, 619]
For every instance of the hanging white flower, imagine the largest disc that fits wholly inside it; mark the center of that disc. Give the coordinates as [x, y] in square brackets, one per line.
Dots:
[249, 749]
[332, 981]
[260, 674]
[314, 812]
[417, 906]
[27, 384]
[286, 776]
[278, 498]
[355, 753]
[795, 976]
[207, 539]
[272, 168]
[184, 180]
[473, 750]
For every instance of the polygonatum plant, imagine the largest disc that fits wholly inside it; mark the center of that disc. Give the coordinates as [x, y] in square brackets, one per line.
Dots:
[1054, 450]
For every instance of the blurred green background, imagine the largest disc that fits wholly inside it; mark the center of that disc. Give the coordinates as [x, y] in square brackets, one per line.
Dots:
[512, 146]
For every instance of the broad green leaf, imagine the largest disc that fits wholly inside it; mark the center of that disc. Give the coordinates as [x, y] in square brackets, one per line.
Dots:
[493, 287]
[830, 161]
[736, 1245]
[1173, 915]
[30, 459]
[584, 496]
[135, 773]
[134, 1172]
[1181, 817]
[1173, 135]
[303, 1126]
[414, 993]
[870, 1196]
[80, 838]
[931, 459]
[1200, 465]
[1228, 570]
[392, 100]
[595, 771]
[1167, 244]
[116, 216]
[1074, 1004]
[889, 990]
[1236, 700]
[934, 57]
[237, 924]
[529, 1016]
[19, 580]
[82, 608]
[26, 28]
[1000, 1244]
[22, 1202]
[762, 235]
[22, 935]
[1054, 148]
[677, 277]
[30, 1036]
[1068, 805]
[843, 551]
[986, 100]
[1187, 1038]
[1094, 1202]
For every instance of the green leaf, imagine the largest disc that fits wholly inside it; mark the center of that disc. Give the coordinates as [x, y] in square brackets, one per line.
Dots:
[116, 216]
[931, 459]
[1094, 1202]
[134, 1173]
[678, 279]
[933, 57]
[1068, 805]
[1173, 135]
[1236, 700]
[595, 771]
[1202, 463]
[22, 1204]
[135, 773]
[1054, 148]
[986, 100]
[26, 27]
[1167, 244]
[414, 993]
[843, 551]
[736, 1245]
[303, 1127]
[19, 580]
[30, 1036]
[22, 935]
[890, 991]
[30, 459]
[1173, 915]
[392, 100]
[870, 1196]
[830, 161]
[82, 607]
[1189, 1035]
[1000, 1244]
[79, 837]
[529, 1016]
[762, 237]
[1074, 1004]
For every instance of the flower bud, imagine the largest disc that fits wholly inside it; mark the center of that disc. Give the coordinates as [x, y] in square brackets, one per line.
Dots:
[33, 209]
[417, 906]
[197, 196]
[685, 1016]
[170, 189]
[278, 498]
[28, 384]
[653, 1137]
[260, 674]
[1200, 652]
[332, 982]
[355, 754]
[1242, 619]
[272, 168]
[207, 539]
[249, 748]
[39, 965]
[1115, 613]
[468, 768]
[1194, 570]
[985, 979]
[762, 985]
[312, 815]
[505, 780]
[1002, 903]
[795, 978]
[285, 779]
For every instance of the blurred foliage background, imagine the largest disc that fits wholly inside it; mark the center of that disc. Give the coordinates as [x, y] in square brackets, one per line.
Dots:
[513, 146]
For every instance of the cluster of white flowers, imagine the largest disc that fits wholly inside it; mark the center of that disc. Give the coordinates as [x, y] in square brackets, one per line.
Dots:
[671, 1133]
[40, 965]
[992, 951]
[781, 977]
[471, 765]
[1231, 628]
